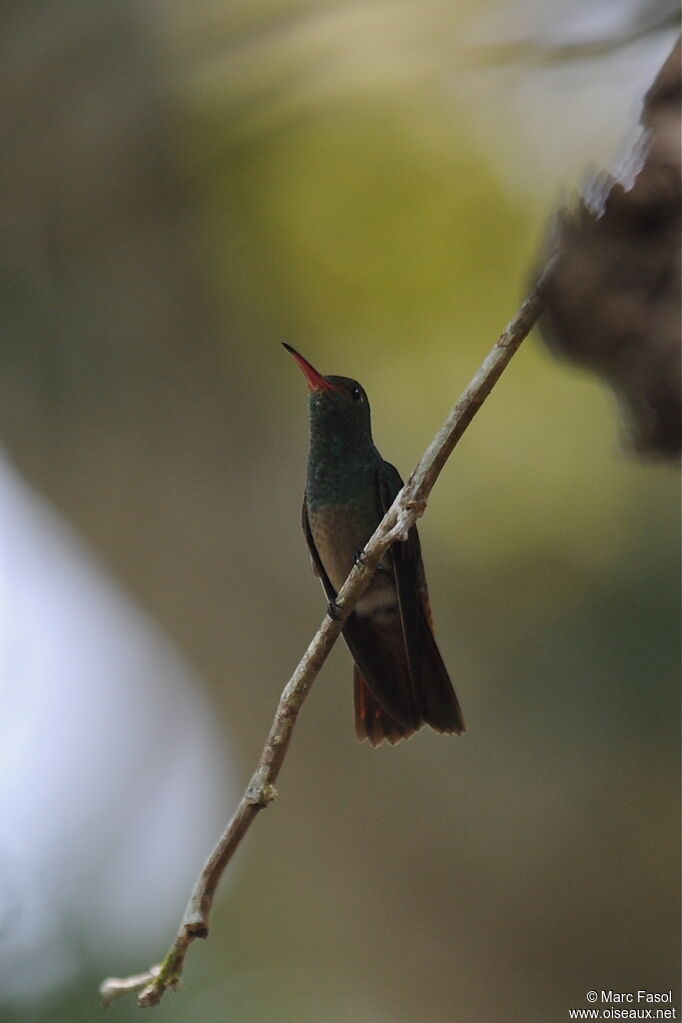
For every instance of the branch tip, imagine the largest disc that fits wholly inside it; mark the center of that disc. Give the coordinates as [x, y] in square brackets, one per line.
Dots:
[113, 987]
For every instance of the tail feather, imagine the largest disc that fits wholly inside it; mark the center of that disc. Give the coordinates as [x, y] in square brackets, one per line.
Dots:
[439, 704]
[372, 722]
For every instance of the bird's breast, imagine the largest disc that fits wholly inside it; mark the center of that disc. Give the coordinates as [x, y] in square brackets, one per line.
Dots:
[339, 533]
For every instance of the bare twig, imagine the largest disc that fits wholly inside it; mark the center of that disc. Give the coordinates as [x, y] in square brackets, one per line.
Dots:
[408, 506]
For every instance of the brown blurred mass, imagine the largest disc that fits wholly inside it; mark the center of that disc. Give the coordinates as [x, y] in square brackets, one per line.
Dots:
[613, 303]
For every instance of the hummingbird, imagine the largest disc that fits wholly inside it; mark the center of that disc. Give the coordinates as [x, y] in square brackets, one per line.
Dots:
[399, 679]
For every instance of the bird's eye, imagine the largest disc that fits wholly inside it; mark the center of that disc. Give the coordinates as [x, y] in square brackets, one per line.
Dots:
[356, 393]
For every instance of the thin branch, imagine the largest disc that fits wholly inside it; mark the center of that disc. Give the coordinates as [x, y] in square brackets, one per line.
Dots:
[408, 506]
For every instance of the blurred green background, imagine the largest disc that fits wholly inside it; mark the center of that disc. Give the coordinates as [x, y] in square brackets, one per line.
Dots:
[187, 186]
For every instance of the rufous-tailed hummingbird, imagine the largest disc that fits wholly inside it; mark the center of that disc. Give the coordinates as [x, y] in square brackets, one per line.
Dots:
[400, 681]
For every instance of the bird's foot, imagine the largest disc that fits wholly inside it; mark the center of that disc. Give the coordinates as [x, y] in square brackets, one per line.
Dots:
[333, 610]
[360, 558]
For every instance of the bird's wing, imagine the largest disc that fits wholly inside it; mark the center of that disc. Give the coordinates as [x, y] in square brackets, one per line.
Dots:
[405, 557]
[436, 698]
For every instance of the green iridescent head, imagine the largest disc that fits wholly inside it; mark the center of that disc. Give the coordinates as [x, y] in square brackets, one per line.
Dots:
[338, 405]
